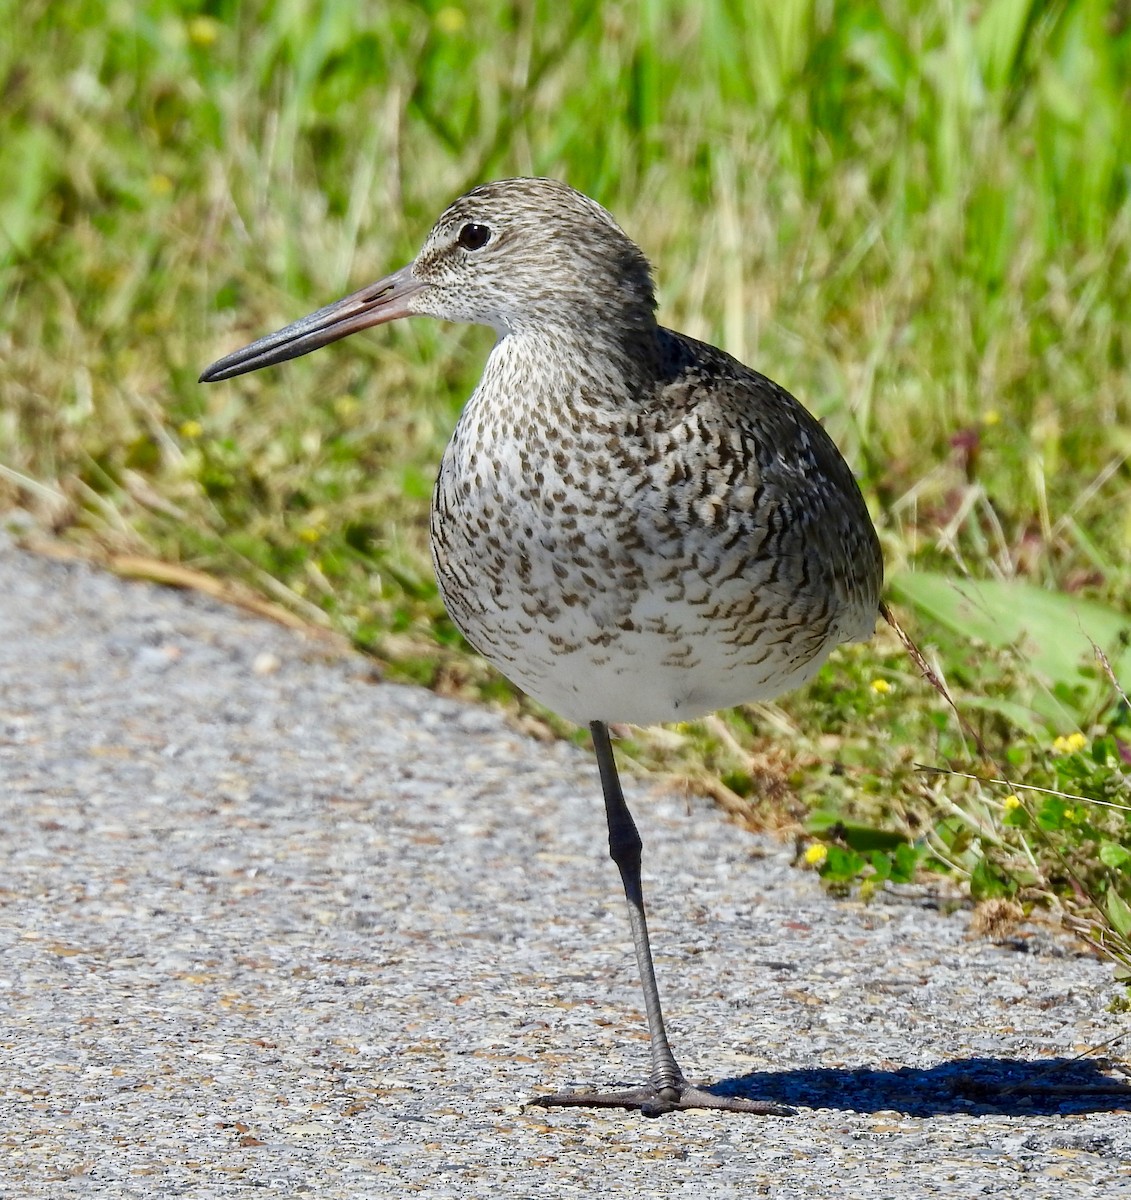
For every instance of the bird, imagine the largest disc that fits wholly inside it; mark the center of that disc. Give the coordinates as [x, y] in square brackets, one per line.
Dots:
[628, 523]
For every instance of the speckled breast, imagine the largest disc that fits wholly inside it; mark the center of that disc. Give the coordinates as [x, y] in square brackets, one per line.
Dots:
[617, 566]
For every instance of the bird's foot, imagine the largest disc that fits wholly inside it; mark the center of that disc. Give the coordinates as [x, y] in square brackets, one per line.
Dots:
[653, 1101]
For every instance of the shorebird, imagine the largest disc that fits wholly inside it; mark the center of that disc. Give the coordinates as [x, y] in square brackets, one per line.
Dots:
[630, 524]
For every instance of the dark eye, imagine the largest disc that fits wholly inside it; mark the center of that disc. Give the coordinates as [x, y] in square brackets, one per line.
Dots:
[474, 237]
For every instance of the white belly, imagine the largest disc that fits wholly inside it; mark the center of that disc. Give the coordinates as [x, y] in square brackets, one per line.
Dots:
[646, 678]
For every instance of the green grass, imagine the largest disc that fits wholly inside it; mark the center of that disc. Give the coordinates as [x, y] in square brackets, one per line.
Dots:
[915, 216]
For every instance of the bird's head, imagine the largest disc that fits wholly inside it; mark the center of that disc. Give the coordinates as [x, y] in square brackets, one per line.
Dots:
[515, 255]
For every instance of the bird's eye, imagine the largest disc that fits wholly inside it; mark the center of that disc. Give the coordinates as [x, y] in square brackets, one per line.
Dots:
[474, 237]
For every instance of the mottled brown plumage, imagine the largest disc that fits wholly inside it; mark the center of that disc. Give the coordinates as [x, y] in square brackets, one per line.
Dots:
[630, 524]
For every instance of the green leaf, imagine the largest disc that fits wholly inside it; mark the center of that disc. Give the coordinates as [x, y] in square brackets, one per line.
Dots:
[881, 864]
[987, 884]
[906, 863]
[1053, 814]
[854, 834]
[1119, 912]
[1050, 629]
[1114, 855]
[842, 864]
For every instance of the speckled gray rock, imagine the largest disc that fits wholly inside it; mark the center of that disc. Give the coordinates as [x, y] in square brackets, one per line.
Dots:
[269, 927]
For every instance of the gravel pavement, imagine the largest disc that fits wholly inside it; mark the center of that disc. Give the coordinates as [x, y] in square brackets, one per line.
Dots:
[270, 927]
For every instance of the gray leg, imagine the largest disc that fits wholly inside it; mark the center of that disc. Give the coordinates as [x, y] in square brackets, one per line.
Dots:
[667, 1089]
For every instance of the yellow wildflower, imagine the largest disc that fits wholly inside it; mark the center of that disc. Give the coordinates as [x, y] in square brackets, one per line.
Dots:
[203, 31]
[1011, 803]
[991, 417]
[1070, 744]
[880, 686]
[191, 429]
[816, 854]
[450, 19]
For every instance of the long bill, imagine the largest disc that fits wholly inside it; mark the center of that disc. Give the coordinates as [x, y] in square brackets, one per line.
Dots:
[386, 300]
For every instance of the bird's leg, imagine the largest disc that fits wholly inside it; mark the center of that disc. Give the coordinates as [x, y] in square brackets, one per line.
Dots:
[667, 1088]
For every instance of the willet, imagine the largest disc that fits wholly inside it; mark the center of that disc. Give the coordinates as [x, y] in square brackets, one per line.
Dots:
[629, 524]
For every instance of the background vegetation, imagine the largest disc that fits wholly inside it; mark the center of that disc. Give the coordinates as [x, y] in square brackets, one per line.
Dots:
[915, 216]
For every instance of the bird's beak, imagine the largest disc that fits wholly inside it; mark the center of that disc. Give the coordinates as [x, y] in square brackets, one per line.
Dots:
[386, 300]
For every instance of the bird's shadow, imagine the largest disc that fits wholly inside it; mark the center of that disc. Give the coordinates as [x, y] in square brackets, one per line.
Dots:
[975, 1086]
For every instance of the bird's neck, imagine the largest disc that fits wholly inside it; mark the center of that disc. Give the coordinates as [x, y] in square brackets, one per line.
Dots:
[619, 363]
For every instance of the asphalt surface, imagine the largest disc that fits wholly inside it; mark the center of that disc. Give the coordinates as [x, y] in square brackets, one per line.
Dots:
[272, 927]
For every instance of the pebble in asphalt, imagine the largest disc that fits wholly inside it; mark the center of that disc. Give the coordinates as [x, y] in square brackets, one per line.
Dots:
[266, 930]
